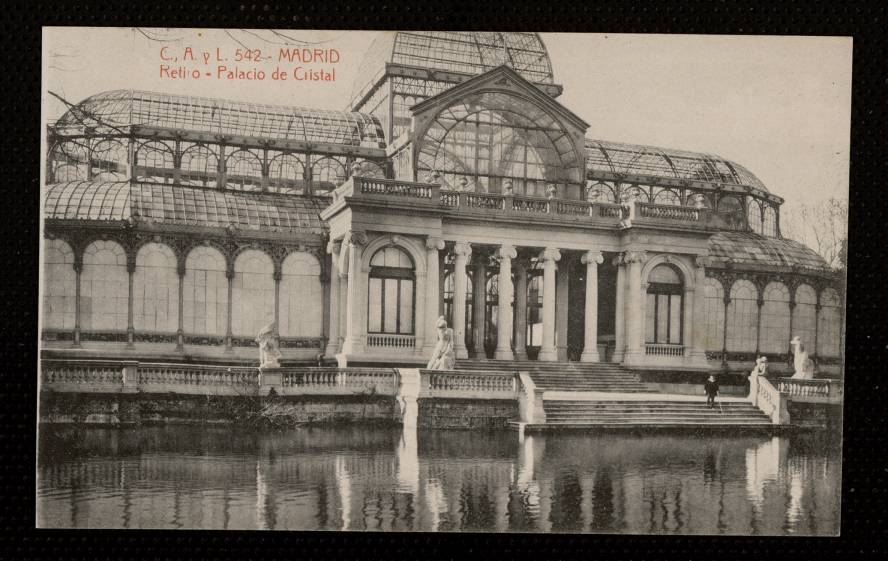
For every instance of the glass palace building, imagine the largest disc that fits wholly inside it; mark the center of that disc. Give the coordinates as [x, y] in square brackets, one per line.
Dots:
[455, 184]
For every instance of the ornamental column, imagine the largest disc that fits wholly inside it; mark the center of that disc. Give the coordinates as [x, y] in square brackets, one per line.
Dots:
[549, 257]
[479, 303]
[698, 337]
[180, 333]
[462, 251]
[433, 292]
[520, 267]
[78, 269]
[130, 325]
[634, 320]
[354, 300]
[504, 306]
[620, 310]
[562, 288]
[333, 248]
[592, 259]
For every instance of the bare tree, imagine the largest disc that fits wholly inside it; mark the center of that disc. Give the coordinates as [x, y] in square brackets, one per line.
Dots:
[822, 226]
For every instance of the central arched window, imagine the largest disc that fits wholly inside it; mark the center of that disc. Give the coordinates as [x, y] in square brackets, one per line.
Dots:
[391, 292]
[665, 301]
[494, 139]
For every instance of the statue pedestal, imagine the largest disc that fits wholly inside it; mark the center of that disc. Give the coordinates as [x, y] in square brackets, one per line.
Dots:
[270, 378]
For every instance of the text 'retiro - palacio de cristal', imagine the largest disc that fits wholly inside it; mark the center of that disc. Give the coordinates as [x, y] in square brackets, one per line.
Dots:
[455, 184]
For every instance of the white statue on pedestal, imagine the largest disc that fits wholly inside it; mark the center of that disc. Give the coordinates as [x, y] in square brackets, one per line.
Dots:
[268, 347]
[443, 357]
[761, 367]
[804, 366]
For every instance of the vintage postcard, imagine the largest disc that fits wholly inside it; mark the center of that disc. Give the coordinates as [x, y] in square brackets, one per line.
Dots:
[442, 281]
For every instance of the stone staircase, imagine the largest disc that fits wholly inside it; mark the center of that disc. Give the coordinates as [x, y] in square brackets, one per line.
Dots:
[657, 411]
[565, 376]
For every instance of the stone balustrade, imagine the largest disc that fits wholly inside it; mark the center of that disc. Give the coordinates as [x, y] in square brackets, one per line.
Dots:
[391, 341]
[812, 391]
[76, 376]
[658, 349]
[469, 384]
[338, 381]
[770, 401]
[518, 205]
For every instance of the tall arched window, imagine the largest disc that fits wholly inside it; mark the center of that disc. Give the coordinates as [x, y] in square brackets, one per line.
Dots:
[449, 290]
[108, 160]
[252, 297]
[804, 315]
[286, 173]
[205, 306]
[491, 137]
[391, 293]
[492, 310]
[775, 319]
[769, 227]
[714, 315]
[104, 287]
[68, 162]
[199, 166]
[667, 197]
[243, 171]
[327, 174]
[731, 209]
[600, 193]
[154, 162]
[664, 306]
[302, 296]
[59, 285]
[535, 291]
[754, 215]
[828, 340]
[742, 317]
[156, 290]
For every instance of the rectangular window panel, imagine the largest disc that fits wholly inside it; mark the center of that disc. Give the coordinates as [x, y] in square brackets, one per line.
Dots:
[374, 295]
[406, 306]
[390, 306]
[675, 319]
[662, 318]
[650, 313]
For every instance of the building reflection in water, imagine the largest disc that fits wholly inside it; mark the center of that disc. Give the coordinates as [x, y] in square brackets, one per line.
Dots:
[365, 478]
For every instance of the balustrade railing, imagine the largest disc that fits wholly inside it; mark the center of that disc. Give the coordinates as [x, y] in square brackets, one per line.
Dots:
[82, 373]
[659, 349]
[769, 400]
[339, 380]
[822, 390]
[527, 204]
[669, 212]
[392, 187]
[118, 376]
[392, 341]
[483, 200]
[195, 375]
[469, 384]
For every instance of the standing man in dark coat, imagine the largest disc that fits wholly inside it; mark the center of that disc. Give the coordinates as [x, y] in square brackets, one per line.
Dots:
[711, 389]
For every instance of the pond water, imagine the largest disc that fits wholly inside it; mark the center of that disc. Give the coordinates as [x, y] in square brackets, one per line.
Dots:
[380, 478]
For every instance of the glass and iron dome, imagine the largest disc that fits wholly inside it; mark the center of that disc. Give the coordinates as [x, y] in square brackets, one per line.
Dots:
[469, 53]
[634, 159]
[126, 108]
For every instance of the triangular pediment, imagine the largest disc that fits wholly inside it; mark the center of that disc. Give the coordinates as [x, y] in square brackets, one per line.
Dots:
[504, 79]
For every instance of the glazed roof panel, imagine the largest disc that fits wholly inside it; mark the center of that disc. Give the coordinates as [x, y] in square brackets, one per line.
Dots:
[180, 205]
[753, 249]
[619, 157]
[124, 108]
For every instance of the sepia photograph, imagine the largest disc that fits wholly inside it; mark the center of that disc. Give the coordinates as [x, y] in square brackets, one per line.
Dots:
[431, 281]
